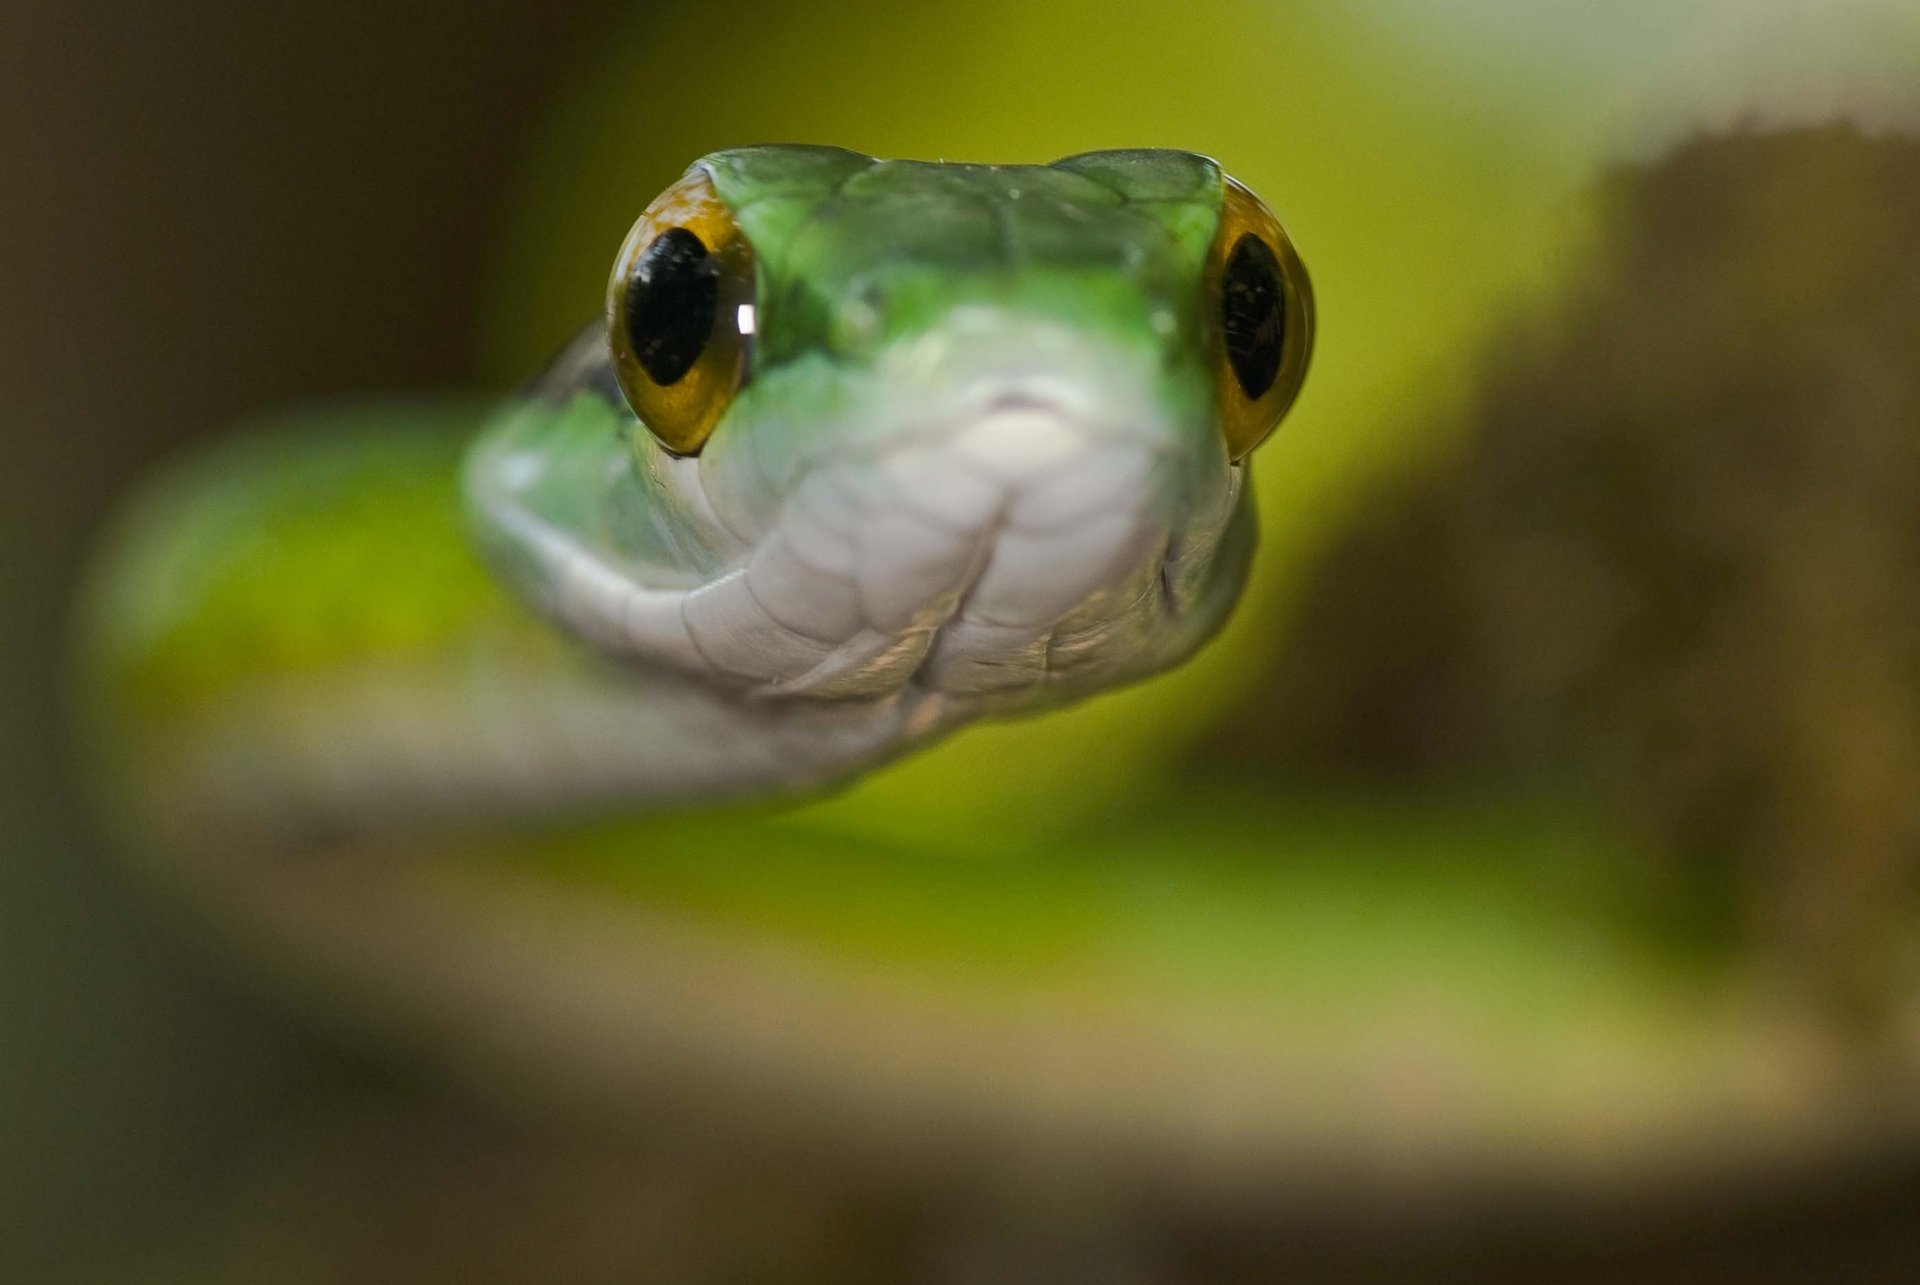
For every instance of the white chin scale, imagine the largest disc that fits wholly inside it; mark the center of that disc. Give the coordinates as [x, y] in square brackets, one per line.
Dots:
[990, 556]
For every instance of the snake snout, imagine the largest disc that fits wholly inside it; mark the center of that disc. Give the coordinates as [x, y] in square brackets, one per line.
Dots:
[1009, 532]
[958, 558]
[1041, 519]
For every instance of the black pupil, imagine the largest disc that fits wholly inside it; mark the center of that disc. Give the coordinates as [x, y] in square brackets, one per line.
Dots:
[671, 303]
[1253, 315]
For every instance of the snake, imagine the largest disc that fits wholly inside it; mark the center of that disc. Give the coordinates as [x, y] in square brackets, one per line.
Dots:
[859, 452]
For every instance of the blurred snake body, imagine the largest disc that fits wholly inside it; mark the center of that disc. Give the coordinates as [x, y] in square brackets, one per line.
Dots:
[860, 452]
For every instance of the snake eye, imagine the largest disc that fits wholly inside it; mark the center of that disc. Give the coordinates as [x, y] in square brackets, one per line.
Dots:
[680, 311]
[1260, 305]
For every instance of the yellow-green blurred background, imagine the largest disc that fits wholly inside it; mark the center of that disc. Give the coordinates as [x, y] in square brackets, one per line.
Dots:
[217, 208]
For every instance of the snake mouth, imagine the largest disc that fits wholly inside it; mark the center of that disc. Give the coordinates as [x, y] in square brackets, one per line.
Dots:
[1076, 544]
[1012, 549]
[1000, 514]
[989, 553]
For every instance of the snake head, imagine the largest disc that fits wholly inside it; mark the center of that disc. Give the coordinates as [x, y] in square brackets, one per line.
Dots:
[974, 433]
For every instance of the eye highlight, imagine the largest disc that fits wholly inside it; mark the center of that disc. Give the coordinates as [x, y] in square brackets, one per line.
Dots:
[680, 306]
[1260, 310]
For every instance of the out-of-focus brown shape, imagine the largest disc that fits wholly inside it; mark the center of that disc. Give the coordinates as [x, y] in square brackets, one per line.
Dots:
[1678, 567]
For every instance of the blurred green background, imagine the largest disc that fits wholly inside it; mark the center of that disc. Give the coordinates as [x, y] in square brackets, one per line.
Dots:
[220, 208]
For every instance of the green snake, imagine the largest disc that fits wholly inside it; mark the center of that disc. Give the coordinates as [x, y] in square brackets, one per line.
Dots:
[860, 452]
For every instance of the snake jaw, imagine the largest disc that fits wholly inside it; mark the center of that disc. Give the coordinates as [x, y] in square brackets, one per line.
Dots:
[995, 515]
[1015, 552]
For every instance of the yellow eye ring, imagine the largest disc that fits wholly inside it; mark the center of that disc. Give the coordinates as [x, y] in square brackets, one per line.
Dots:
[1260, 310]
[679, 305]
